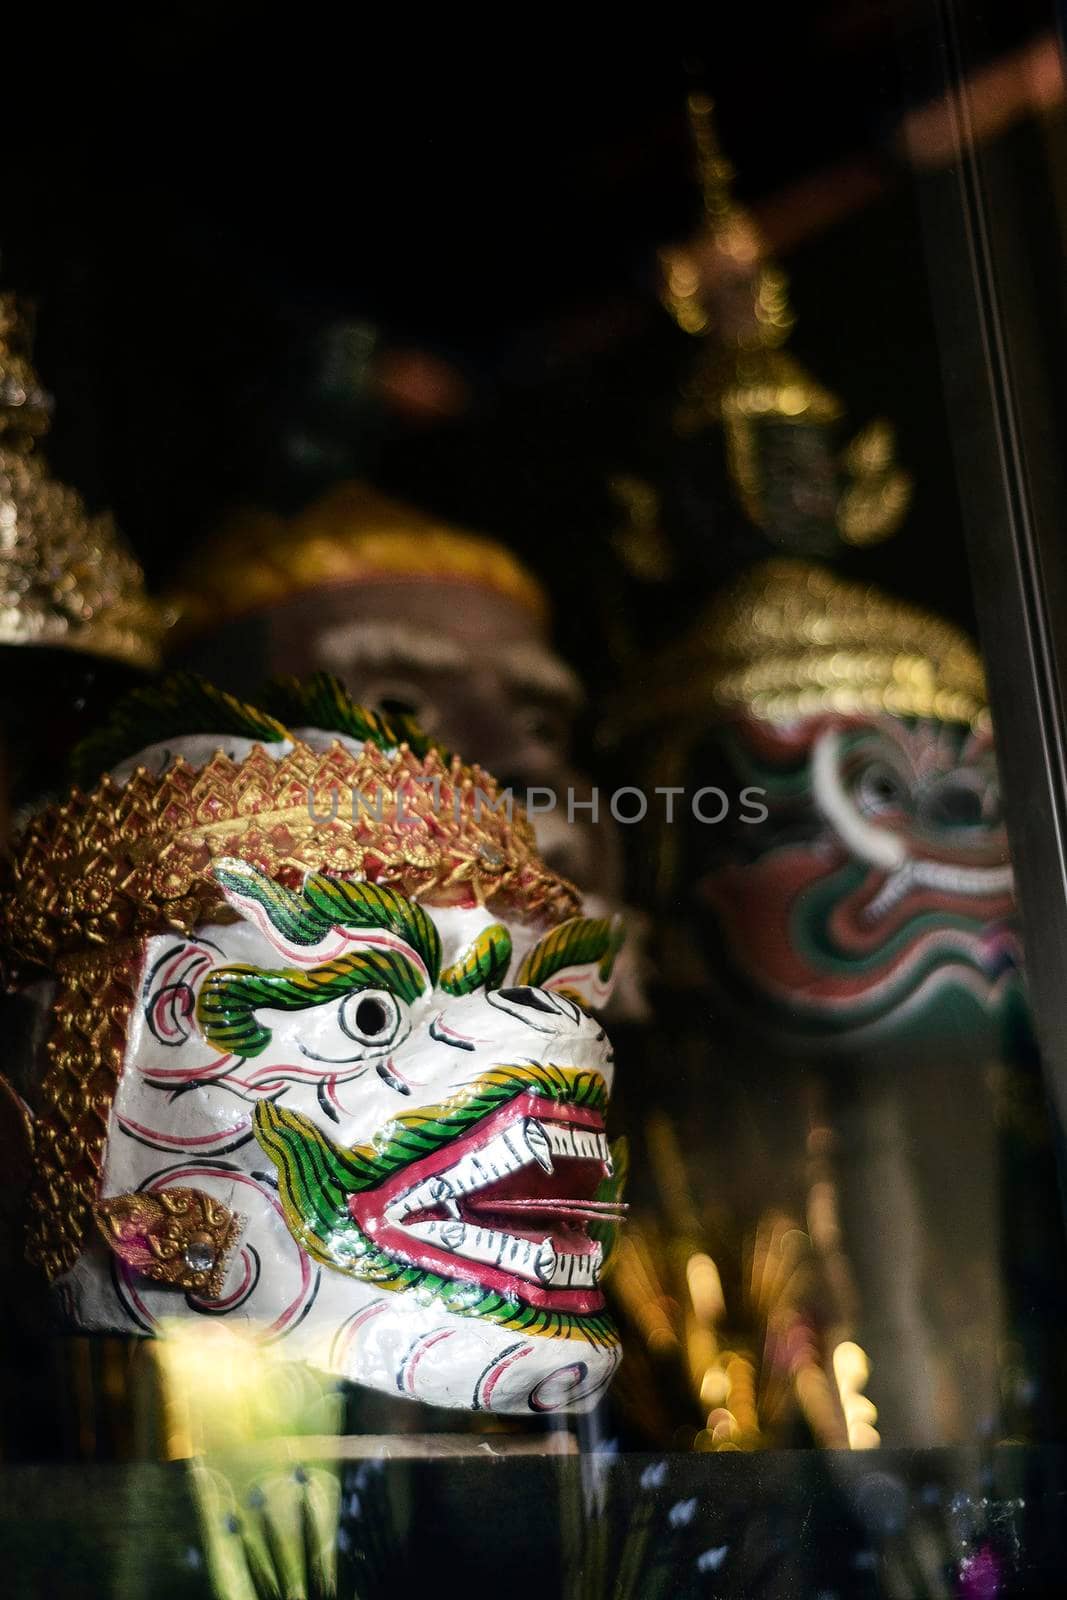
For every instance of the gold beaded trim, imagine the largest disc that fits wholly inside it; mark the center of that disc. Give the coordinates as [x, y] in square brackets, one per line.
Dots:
[85, 1053]
[124, 862]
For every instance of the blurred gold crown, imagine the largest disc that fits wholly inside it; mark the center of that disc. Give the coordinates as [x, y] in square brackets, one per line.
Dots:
[66, 578]
[353, 535]
[790, 639]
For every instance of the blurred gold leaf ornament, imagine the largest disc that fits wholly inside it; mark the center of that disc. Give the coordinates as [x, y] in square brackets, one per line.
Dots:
[738, 1331]
[640, 541]
[874, 503]
[780, 424]
[66, 577]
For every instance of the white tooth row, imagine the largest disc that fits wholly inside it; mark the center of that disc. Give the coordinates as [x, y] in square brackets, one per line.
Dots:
[536, 1259]
[518, 1145]
[481, 1244]
[942, 875]
[892, 890]
[563, 1270]
[581, 1143]
[504, 1154]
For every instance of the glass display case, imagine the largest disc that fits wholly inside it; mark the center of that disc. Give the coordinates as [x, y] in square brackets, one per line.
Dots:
[535, 873]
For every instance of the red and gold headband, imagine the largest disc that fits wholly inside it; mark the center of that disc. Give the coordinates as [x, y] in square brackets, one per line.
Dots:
[130, 861]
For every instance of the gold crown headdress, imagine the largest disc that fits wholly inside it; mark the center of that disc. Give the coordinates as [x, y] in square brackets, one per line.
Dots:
[353, 535]
[790, 639]
[127, 860]
[66, 578]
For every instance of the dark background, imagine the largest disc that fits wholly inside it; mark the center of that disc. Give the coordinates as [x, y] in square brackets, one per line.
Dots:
[196, 198]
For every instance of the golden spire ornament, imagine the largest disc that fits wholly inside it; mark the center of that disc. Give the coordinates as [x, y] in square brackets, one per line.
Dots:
[779, 423]
[66, 577]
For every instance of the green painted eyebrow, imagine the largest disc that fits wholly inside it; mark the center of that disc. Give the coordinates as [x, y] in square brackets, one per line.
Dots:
[303, 917]
[230, 996]
[577, 943]
[482, 965]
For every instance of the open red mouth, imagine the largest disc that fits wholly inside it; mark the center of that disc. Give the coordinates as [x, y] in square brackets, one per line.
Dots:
[506, 1206]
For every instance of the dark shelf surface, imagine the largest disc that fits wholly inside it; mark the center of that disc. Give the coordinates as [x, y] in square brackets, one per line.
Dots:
[953, 1522]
